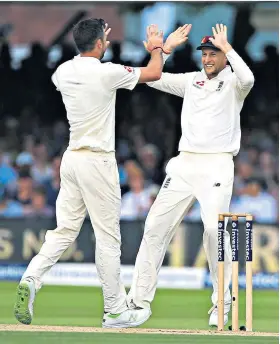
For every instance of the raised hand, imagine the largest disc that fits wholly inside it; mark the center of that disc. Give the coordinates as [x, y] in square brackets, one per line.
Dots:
[106, 32]
[154, 38]
[220, 37]
[177, 38]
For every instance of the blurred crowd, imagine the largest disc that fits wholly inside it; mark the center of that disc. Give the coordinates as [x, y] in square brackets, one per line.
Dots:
[34, 135]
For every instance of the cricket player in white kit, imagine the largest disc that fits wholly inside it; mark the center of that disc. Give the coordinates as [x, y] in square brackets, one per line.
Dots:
[204, 168]
[89, 174]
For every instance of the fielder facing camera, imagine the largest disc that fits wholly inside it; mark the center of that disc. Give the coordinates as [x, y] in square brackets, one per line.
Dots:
[204, 168]
[89, 174]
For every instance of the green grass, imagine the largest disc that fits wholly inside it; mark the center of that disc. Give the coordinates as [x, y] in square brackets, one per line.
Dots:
[182, 309]
[100, 338]
[178, 309]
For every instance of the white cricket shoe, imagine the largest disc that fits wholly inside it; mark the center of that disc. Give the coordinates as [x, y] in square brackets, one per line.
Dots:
[25, 296]
[213, 319]
[128, 318]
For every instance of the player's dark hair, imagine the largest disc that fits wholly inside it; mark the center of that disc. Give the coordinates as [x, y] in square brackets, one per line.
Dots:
[87, 32]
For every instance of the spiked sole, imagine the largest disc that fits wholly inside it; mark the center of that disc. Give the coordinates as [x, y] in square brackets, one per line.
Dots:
[21, 310]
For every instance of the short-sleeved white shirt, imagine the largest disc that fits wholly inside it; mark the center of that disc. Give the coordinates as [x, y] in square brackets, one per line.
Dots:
[88, 88]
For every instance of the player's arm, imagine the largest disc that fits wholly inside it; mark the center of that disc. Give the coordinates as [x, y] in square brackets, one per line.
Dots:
[154, 46]
[153, 70]
[173, 83]
[244, 76]
[119, 76]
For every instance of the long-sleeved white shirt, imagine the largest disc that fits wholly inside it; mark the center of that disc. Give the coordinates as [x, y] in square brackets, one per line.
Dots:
[88, 88]
[210, 117]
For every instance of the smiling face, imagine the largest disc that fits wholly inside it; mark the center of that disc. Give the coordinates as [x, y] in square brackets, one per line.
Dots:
[213, 61]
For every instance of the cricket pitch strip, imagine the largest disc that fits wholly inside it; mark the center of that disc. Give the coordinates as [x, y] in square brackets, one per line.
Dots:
[39, 328]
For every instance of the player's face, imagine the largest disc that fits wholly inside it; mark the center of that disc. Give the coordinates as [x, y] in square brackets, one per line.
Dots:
[213, 62]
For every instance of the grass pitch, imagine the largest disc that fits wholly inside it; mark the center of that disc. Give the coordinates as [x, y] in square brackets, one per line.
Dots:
[100, 338]
[172, 309]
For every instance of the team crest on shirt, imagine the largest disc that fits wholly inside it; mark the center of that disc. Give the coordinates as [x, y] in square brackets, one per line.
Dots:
[220, 86]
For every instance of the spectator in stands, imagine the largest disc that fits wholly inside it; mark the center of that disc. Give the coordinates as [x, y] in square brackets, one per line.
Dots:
[8, 174]
[28, 143]
[41, 170]
[135, 203]
[9, 208]
[39, 207]
[267, 165]
[123, 155]
[24, 189]
[60, 137]
[24, 161]
[244, 171]
[256, 201]
[149, 157]
[153, 191]
[52, 186]
[250, 155]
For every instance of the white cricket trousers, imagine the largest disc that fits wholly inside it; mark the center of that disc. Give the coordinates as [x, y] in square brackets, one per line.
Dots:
[190, 176]
[89, 181]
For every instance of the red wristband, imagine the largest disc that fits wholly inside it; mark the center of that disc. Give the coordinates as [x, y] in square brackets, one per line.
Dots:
[156, 48]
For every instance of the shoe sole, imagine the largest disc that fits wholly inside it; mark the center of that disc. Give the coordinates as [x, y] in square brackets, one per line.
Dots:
[126, 325]
[21, 310]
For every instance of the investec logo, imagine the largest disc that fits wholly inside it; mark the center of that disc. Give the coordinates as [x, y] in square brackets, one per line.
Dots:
[234, 239]
[249, 244]
[220, 242]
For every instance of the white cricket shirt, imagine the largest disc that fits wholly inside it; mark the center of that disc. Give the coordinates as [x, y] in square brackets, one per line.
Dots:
[210, 117]
[88, 88]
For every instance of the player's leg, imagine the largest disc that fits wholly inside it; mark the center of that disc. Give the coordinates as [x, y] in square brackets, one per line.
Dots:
[70, 214]
[213, 191]
[102, 195]
[172, 203]
[99, 184]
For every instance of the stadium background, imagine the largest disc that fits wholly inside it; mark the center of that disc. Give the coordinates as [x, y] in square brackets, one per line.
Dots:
[35, 39]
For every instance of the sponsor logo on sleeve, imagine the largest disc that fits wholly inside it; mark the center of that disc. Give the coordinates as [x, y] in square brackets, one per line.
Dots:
[199, 84]
[129, 69]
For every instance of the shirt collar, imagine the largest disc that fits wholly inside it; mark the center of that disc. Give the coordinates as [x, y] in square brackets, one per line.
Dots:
[224, 72]
[88, 58]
